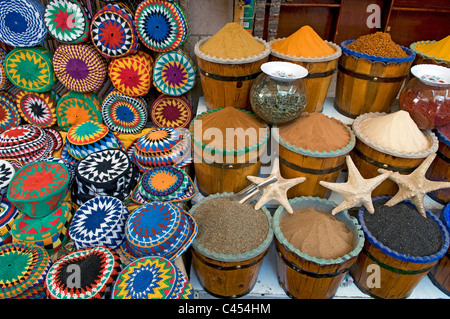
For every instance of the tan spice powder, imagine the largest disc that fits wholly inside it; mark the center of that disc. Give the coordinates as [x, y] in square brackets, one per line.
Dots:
[377, 44]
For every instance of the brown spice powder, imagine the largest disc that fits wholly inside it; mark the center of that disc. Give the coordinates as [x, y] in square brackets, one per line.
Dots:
[316, 132]
[317, 234]
[228, 227]
[377, 44]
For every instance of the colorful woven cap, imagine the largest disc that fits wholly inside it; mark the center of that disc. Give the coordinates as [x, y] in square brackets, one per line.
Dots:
[105, 173]
[22, 269]
[113, 32]
[8, 213]
[30, 69]
[79, 67]
[123, 113]
[161, 25]
[49, 232]
[22, 23]
[68, 21]
[151, 277]
[37, 108]
[9, 114]
[98, 268]
[166, 184]
[99, 222]
[74, 108]
[7, 172]
[4, 82]
[132, 75]
[158, 228]
[171, 111]
[174, 73]
[26, 144]
[89, 137]
[162, 146]
[38, 188]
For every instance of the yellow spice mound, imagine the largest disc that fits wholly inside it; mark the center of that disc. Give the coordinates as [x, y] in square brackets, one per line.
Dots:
[439, 49]
[396, 131]
[305, 42]
[232, 42]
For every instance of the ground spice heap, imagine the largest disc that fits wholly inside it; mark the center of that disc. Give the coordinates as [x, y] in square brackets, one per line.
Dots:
[403, 229]
[305, 42]
[246, 128]
[377, 44]
[232, 42]
[317, 233]
[439, 49]
[316, 132]
[228, 227]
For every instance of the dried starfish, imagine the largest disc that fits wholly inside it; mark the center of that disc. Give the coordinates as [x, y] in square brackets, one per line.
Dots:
[415, 185]
[356, 190]
[278, 190]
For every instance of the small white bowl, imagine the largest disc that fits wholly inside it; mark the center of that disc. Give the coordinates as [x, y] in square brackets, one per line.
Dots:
[432, 74]
[284, 71]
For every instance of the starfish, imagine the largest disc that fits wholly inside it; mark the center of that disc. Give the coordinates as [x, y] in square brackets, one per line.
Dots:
[356, 190]
[415, 185]
[277, 190]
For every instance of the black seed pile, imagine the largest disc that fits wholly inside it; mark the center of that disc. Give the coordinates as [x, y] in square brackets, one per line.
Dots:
[403, 229]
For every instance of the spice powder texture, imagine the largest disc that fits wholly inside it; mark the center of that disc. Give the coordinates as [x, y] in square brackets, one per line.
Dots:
[377, 44]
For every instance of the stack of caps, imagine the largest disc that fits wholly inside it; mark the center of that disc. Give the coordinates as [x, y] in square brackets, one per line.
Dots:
[99, 222]
[9, 114]
[171, 111]
[75, 108]
[26, 143]
[165, 184]
[161, 25]
[113, 32]
[37, 108]
[7, 172]
[105, 173]
[8, 213]
[158, 228]
[124, 114]
[90, 137]
[23, 268]
[22, 23]
[132, 74]
[30, 69]
[174, 73]
[162, 146]
[68, 21]
[98, 268]
[51, 232]
[38, 188]
[4, 82]
[79, 67]
[152, 277]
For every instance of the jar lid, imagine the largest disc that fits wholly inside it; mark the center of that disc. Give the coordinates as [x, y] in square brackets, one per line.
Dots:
[284, 71]
[432, 74]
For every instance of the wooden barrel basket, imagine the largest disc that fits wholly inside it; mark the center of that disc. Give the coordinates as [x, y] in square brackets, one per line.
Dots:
[306, 277]
[367, 83]
[422, 58]
[320, 73]
[369, 157]
[225, 82]
[225, 170]
[440, 168]
[399, 273]
[440, 274]
[315, 166]
[229, 275]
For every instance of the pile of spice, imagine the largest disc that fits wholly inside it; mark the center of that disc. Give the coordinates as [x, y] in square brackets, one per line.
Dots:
[377, 44]
[403, 229]
[395, 131]
[232, 42]
[305, 42]
[317, 233]
[228, 227]
[237, 128]
[438, 50]
[316, 132]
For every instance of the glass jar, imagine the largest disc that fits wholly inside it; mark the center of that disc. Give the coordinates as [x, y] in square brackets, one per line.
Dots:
[278, 94]
[426, 96]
